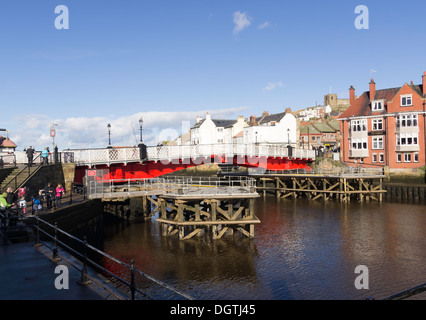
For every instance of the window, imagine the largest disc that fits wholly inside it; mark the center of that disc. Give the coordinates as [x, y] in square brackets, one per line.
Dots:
[374, 157]
[359, 125]
[377, 124]
[219, 129]
[407, 120]
[378, 143]
[359, 144]
[407, 139]
[381, 158]
[416, 157]
[377, 105]
[407, 157]
[398, 157]
[406, 100]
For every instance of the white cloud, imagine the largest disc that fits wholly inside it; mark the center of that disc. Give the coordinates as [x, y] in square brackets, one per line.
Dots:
[264, 25]
[85, 132]
[241, 21]
[272, 85]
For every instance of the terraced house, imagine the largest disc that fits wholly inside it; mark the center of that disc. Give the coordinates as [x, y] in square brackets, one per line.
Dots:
[385, 127]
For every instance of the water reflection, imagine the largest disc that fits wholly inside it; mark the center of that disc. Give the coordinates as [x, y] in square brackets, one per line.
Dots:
[301, 250]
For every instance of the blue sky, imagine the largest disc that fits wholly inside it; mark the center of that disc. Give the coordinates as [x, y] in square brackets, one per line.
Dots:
[170, 61]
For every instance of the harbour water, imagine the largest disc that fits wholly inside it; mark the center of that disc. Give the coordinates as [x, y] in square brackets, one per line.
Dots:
[301, 250]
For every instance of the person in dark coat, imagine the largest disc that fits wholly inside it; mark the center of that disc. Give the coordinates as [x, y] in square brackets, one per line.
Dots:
[10, 198]
[30, 155]
[49, 192]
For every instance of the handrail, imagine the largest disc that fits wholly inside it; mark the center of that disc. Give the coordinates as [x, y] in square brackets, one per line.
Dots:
[334, 172]
[20, 172]
[199, 152]
[175, 185]
[408, 293]
[131, 284]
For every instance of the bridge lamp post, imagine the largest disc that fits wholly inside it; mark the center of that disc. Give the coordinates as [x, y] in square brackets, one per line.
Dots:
[109, 135]
[142, 146]
[288, 136]
[140, 127]
[289, 148]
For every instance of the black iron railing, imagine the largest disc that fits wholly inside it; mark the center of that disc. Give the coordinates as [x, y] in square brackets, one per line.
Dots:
[25, 172]
[127, 272]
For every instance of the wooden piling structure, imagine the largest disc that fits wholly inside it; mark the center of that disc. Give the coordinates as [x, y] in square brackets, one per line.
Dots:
[346, 188]
[186, 217]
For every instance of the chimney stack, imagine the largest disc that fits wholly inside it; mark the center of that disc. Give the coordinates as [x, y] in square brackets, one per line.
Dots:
[351, 95]
[372, 89]
[253, 120]
[424, 83]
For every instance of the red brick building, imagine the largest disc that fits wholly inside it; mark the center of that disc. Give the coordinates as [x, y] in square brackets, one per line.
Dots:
[385, 127]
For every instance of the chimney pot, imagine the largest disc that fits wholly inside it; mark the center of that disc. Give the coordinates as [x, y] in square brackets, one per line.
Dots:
[424, 83]
[372, 89]
[351, 95]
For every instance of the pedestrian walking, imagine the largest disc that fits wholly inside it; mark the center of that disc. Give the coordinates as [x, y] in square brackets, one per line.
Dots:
[10, 196]
[38, 202]
[22, 205]
[45, 156]
[30, 155]
[49, 192]
[60, 191]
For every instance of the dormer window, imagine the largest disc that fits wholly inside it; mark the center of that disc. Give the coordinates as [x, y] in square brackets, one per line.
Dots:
[406, 100]
[377, 105]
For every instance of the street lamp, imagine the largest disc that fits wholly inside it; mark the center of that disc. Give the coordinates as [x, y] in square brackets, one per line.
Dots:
[140, 127]
[109, 135]
[289, 148]
[142, 146]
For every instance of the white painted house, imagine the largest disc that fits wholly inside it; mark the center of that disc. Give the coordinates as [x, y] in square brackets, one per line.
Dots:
[214, 131]
[314, 112]
[279, 128]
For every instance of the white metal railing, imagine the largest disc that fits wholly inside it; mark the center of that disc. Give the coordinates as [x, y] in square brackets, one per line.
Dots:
[172, 154]
[335, 171]
[184, 185]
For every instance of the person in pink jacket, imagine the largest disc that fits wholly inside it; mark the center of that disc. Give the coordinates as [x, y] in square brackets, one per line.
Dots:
[60, 191]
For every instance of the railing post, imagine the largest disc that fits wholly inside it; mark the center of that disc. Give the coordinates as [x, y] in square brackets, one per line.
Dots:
[37, 237]
[71, 190]
[132, 279]
[55, 257]
[4, 226]
[84, 276]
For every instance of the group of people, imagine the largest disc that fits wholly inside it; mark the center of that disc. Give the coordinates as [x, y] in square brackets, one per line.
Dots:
[11, 206]
[44, 155]
[51, 195]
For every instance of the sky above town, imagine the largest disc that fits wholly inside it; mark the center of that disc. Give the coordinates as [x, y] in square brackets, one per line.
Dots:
[170, 61]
